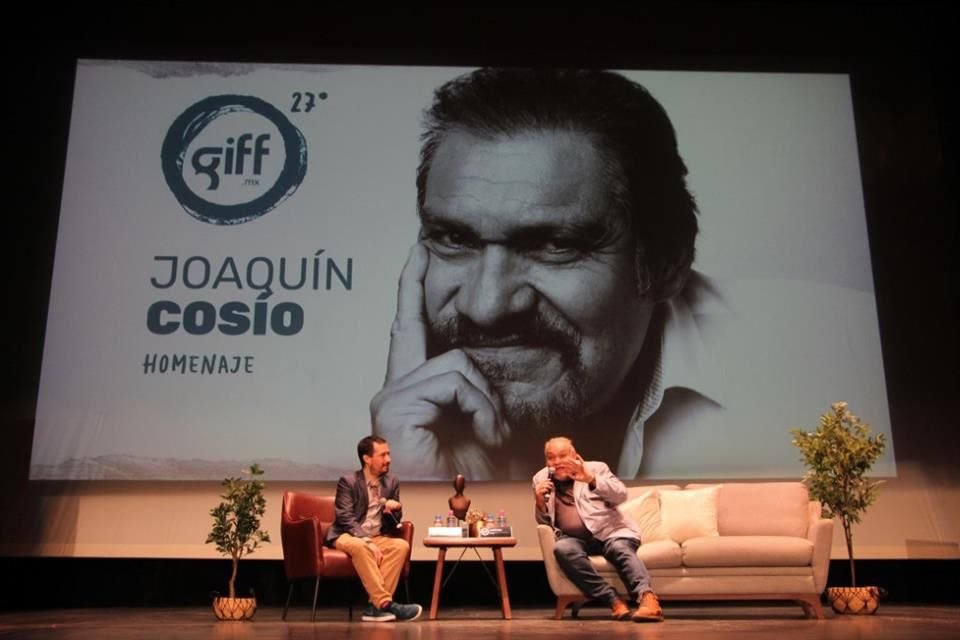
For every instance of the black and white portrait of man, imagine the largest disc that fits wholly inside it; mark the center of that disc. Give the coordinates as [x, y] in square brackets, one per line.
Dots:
[552, 291]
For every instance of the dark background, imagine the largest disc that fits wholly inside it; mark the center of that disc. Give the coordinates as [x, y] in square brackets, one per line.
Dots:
[901, 58]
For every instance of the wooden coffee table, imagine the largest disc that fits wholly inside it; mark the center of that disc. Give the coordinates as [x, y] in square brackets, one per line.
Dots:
[496, 544]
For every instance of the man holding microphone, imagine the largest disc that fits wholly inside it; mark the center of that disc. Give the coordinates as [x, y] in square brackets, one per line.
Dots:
[579, 500]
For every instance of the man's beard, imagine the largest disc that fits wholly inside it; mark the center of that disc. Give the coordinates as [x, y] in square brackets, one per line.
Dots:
[565, 403]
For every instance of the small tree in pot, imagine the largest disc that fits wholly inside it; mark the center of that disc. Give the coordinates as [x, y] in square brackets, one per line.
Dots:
[236, 532]
[838, 455]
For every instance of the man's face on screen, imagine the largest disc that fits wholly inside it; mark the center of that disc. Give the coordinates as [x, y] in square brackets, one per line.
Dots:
[532, 273]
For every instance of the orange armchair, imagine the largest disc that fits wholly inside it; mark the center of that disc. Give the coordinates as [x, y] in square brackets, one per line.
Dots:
[303, 528]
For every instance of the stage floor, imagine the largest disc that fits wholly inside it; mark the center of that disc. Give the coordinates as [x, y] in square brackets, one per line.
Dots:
[685, 621]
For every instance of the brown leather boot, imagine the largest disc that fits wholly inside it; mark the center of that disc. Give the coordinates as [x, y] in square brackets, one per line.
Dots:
[620, 610]
[649, 609]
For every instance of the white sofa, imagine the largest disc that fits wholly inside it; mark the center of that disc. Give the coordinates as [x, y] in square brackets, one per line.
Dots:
[735, 541]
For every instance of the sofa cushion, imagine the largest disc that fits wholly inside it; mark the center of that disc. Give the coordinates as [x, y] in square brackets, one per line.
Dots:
[689, 513]
[662, 554]
[747, 551]
[644, 511]
[763, 508]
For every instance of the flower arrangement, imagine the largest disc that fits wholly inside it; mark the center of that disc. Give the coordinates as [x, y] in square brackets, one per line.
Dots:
[475, 521]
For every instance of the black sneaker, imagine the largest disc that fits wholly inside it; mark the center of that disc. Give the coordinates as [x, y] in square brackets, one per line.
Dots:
[405, 612]
[374, 614]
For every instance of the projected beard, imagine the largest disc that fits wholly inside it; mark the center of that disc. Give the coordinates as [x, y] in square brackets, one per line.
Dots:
[528, 409]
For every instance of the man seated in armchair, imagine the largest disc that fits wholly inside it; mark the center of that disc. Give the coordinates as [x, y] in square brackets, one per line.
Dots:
[367, 507]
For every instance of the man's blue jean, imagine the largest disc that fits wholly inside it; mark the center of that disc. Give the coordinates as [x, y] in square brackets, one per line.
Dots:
[621, 553]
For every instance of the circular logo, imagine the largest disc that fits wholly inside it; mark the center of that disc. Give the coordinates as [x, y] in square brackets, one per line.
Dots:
[240, 158]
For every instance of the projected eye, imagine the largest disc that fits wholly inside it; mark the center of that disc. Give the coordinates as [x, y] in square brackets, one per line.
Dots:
[451, 243]
[556, 250]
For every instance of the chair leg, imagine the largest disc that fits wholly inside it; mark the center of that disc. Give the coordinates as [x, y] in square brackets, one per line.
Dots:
[564, 601]
[406, 588]
[316, 592]
[286, 606]
[811, 607]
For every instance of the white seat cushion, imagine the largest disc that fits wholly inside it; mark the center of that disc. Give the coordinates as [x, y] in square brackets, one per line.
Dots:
[747, 551]
[663, 554]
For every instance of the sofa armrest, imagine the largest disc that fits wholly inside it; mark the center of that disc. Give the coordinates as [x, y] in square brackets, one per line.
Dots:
[820, 534]
[559, 583]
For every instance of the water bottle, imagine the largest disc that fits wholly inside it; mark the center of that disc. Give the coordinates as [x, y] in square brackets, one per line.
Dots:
[452, 519]
[438, 520]
[502, 519]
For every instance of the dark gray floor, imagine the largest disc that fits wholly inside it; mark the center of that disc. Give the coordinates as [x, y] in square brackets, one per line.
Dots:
[684, 621]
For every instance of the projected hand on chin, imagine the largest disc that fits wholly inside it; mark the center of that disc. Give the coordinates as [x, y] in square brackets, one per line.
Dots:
[413, 410]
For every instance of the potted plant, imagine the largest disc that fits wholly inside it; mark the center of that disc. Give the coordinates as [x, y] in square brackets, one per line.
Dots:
[236, 532]
[838, 455]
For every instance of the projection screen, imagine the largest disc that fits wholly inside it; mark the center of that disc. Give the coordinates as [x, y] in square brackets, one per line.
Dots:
[231, 238]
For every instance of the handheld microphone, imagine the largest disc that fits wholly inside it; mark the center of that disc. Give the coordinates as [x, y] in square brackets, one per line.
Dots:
[383, 504]
[550, 472]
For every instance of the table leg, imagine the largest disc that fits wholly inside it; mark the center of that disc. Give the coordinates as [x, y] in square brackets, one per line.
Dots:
[502, 580]
[437, 580]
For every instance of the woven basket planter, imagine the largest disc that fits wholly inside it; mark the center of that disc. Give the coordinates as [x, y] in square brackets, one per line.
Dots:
[854, 599]
[234, 608]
